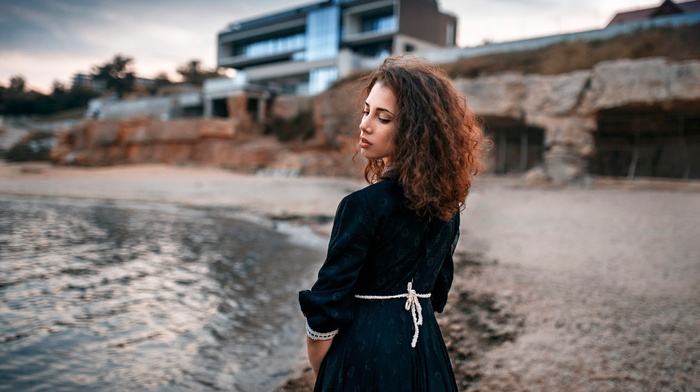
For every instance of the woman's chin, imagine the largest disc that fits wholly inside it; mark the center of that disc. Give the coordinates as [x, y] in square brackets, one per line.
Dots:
[369, 156]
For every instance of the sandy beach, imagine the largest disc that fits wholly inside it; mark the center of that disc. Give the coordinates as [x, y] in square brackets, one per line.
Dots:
[579, 289]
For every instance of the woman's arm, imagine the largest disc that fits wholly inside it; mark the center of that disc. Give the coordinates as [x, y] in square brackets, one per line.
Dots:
[328, 306]
[317, 350]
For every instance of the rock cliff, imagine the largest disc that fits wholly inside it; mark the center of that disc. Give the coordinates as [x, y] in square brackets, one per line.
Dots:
[318, 136]
[565, 106]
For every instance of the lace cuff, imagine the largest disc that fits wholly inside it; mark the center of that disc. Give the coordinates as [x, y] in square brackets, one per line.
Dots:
[320, 335]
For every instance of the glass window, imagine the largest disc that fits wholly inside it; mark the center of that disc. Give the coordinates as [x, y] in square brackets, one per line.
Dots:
[322, 33]
[450, 32]
[320, 79]
[379, 24]
[272, 46]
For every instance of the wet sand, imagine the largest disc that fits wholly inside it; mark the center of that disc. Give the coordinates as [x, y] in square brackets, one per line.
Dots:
[604, 281]
[577, 289]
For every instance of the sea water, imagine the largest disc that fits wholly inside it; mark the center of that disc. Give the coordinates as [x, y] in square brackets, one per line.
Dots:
[100, 295]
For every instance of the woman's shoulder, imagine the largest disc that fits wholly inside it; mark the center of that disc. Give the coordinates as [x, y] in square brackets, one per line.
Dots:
[383, 194]
[384, 187]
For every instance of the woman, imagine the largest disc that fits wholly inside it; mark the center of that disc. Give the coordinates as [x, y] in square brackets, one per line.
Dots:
[370, 314]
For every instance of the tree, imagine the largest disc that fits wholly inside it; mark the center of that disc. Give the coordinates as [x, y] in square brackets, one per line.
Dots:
[162, 79]
[117, 75]
[192, 72]
[17, 84]
[17, 100]
[59, 89]
[3, 98]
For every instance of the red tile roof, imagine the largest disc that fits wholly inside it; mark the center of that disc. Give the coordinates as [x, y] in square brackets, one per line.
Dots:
[648, 13]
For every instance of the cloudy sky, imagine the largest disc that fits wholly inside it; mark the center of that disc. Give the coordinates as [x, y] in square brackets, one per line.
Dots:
[47, 40]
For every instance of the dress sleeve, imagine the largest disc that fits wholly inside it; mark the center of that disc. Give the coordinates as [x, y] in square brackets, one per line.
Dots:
[328, 305]
[443, 282]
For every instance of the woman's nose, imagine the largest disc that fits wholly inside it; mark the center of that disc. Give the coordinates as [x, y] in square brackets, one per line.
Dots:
[363, 124]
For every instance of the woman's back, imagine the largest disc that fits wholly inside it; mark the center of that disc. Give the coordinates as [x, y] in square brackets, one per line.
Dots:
[370, 315]
[378, 246]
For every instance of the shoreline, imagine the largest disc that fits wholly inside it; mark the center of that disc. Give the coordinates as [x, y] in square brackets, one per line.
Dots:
[586, 288]
[308, 200]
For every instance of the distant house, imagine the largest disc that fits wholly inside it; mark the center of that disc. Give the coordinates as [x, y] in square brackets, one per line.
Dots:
[303, 50]
[668, 7]
[87, 81]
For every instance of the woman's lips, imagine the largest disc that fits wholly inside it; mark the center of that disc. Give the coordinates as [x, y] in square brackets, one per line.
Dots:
[364, 143]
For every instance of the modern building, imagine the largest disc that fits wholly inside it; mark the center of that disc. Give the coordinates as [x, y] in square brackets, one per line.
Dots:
[305, 49]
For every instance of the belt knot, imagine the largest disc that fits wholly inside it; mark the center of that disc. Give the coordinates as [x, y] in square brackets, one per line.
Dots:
[412, 305]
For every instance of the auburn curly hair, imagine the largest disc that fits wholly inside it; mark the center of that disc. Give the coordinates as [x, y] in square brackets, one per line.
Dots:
[438, 141]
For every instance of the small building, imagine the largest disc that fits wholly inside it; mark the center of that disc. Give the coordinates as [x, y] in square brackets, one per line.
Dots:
[81, 80]
[668, 7]
[305, 49]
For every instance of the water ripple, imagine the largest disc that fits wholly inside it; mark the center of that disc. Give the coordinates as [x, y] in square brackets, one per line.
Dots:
[114, 296]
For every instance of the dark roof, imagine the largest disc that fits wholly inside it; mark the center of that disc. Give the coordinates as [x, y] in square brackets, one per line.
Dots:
[668, 7]
[690, 6]
[274, 17]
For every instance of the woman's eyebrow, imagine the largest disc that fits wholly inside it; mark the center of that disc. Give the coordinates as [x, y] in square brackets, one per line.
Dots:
[381, 109]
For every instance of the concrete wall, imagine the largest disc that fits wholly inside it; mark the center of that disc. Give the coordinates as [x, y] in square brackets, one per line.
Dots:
[161, 107]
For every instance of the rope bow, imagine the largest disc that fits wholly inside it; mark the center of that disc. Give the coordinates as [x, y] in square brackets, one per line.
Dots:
[413, 306]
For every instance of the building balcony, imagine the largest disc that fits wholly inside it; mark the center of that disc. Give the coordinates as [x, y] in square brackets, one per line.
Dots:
[243, 61]
[368, 37]
[270, 71]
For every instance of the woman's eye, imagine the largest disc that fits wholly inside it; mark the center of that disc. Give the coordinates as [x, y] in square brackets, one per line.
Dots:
[384, 120]
[365, 112]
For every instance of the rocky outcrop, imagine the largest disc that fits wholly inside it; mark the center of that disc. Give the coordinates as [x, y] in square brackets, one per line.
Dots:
[319, 134]
[290, 119]
[221, 142]
[142, 139]
[336, 114]
[565, 106]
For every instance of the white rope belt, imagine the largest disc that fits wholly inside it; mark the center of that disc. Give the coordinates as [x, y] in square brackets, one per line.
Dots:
[412, 305]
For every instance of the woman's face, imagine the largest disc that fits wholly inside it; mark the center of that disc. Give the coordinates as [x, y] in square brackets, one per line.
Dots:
[378, 123]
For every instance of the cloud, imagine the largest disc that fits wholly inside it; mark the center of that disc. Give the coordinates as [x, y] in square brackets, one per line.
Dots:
[34, 67]
[507, 20]
[158, 34]
[162, 34]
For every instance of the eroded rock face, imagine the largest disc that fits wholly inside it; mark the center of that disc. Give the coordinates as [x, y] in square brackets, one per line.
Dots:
[622, 82]
[557, 95]
[336, 112]
[219, 142]
[684, 80]
[566, 106]
[501, 95]
[289, 106]
[573, 132]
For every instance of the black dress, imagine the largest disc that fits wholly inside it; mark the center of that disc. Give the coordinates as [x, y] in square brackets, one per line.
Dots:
[377, 247]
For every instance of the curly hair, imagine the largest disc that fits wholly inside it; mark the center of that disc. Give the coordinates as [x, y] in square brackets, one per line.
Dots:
[438, 141]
